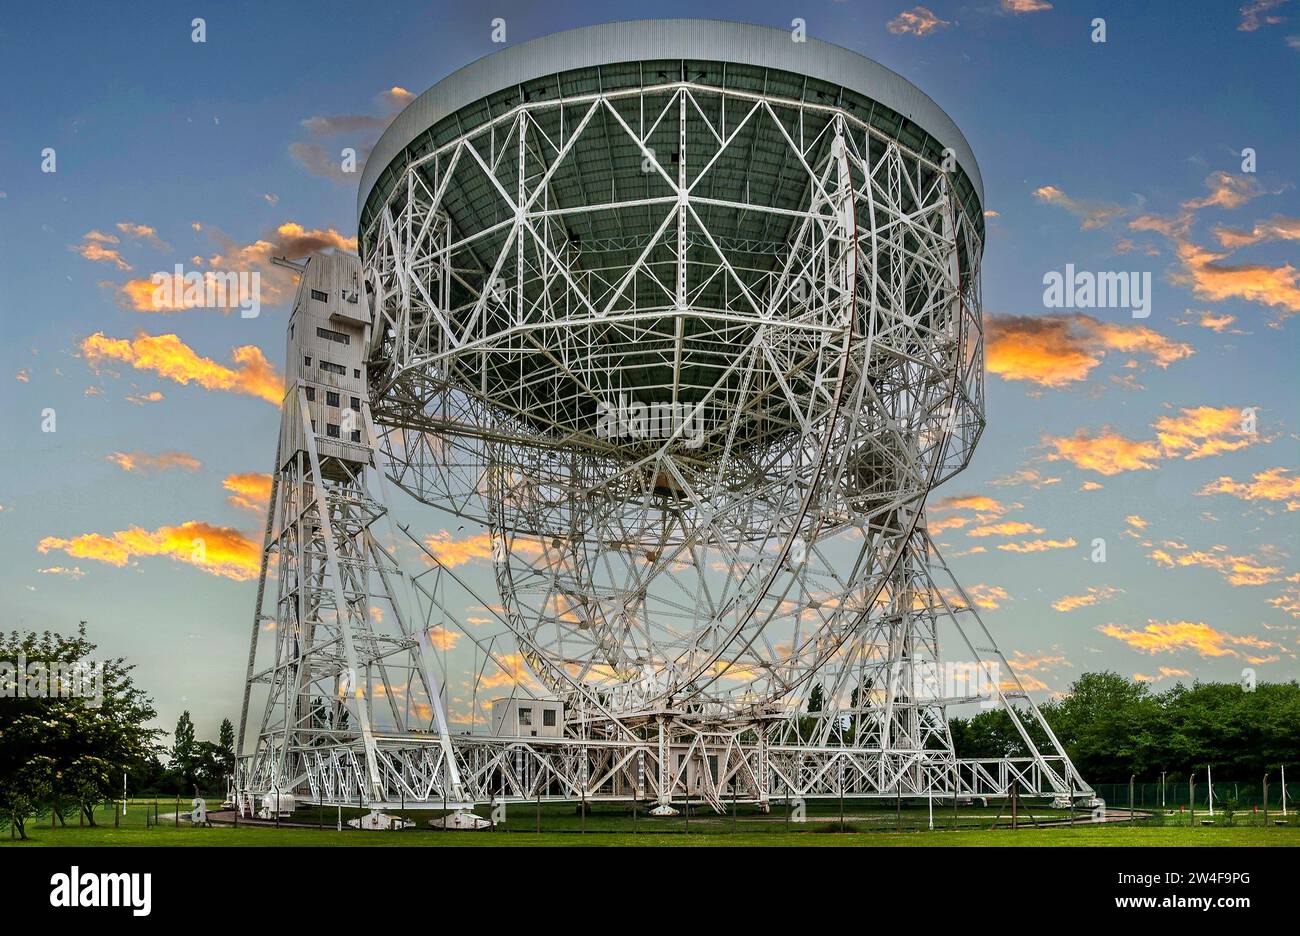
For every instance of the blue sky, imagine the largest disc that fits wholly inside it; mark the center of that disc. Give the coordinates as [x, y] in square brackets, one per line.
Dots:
[1117, 156]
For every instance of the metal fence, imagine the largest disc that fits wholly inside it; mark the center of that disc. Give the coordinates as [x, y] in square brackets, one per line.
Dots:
[1241, 795]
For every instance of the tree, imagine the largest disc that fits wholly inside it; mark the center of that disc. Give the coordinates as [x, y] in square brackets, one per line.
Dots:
[60, 749]
[226, 741]
[185, 751]
[816, 699]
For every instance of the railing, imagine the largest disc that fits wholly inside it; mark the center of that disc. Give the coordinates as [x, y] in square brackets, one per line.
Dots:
[565, 769]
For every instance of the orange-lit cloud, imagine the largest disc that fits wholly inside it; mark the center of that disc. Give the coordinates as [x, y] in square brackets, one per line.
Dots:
[1025, 6]
[277, 284]
[988, 597]
[980, 503]
[1038, 545]
[1196, 432]
[1274, 484]
[1093, 214]
[1210, 278]
[1270, 229]
[443, 638]
[143, 461]
[1217, 322]
[1058, 350]
[396, 97]
[1044, 662]
[1092, 597]
[454, 552]
[1201, 431]
[249, 491]
[1170, 636]
[1203, 270]
[507, 669]
[1226, 191]
[1105, 452]
[958, 512]
[169, 357]
[142, 232]
[1289, 601]
[1008, 528]
[1029, 476]
[98, 247]
[1236, 569]
[74, 572]
[917, 21]
[217, 550]
[939, 525]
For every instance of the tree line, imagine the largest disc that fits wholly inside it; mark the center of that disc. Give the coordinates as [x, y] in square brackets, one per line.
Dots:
[1114, 728]
[61, 755]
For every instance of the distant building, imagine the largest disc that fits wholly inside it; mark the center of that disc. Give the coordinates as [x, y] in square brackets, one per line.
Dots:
[528, 718]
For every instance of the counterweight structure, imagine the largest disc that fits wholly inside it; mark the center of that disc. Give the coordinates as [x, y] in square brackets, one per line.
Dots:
[685, 316]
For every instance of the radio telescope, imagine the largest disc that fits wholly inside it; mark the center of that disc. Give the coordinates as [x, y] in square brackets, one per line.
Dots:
[685, 315]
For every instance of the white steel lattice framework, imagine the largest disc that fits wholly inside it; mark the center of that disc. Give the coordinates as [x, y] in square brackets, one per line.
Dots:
[693, 347]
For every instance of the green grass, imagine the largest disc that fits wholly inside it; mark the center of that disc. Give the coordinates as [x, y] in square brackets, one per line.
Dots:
[703, 833]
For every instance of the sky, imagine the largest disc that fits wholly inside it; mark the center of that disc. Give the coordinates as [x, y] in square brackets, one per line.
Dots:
[1171, 149]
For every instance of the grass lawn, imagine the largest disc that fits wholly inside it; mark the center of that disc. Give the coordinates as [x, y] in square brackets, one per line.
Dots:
[1085, 834]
